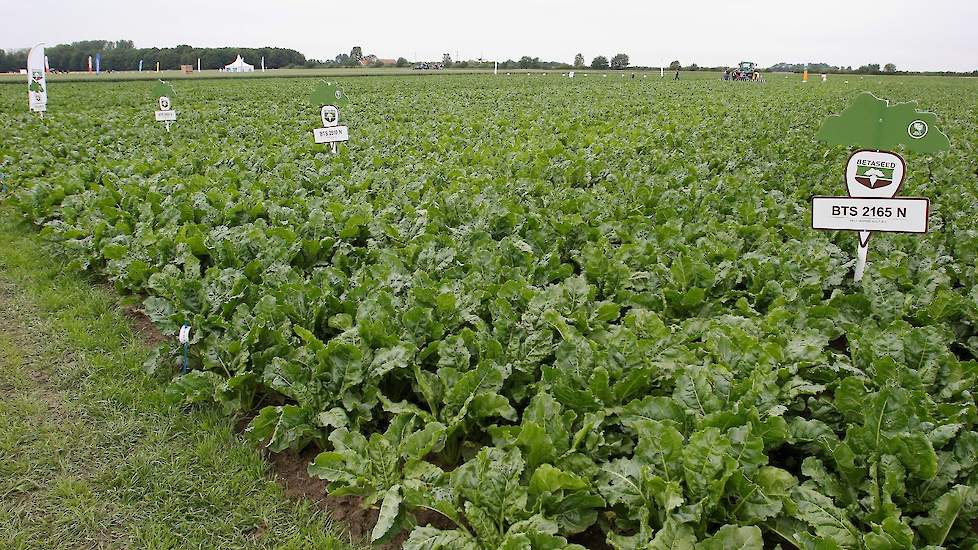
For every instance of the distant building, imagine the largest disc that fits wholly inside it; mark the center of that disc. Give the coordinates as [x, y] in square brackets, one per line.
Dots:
[372, 59]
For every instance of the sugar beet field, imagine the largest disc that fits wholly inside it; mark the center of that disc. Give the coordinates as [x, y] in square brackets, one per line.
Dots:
[533, 312]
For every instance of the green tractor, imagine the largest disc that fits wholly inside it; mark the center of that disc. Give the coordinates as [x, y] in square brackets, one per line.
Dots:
[746, 71]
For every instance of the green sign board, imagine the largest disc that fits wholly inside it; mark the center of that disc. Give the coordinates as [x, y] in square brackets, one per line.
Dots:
[162, 89]
[872, 123]
[328, 94]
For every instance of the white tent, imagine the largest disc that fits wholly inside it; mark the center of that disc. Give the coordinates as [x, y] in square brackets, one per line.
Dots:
[239, 66]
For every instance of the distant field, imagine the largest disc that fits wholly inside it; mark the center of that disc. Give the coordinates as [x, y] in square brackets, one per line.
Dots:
[8, 78]
[296, 73]
[174, 75]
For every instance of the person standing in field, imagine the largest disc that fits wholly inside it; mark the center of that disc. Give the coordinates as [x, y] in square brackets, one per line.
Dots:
[677, 75]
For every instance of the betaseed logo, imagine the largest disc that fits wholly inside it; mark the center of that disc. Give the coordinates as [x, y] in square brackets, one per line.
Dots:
[874, 177]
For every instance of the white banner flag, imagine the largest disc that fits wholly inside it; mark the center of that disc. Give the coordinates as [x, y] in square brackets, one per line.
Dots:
[37, 86]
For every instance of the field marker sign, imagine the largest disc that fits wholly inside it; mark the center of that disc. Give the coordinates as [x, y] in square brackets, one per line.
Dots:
[166, 114]
[328, 98]
[875, 175]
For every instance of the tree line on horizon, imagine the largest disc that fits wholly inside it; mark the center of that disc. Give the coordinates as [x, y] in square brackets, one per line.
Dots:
[122, 55]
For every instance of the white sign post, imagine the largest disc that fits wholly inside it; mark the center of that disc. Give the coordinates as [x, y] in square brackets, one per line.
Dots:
[873, 179]
[37, 86]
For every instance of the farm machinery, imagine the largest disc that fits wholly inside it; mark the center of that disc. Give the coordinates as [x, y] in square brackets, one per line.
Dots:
[747, 70]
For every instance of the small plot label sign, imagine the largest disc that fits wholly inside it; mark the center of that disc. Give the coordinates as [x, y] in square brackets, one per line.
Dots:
[166, 116]
[903, 215]
[331, 134]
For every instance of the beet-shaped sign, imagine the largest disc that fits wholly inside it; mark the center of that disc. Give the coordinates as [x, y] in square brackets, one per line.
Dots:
[872, 123]
[874, 175]
[328, 94]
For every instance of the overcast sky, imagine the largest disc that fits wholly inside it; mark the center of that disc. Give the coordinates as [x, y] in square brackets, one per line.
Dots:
[916, 35]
